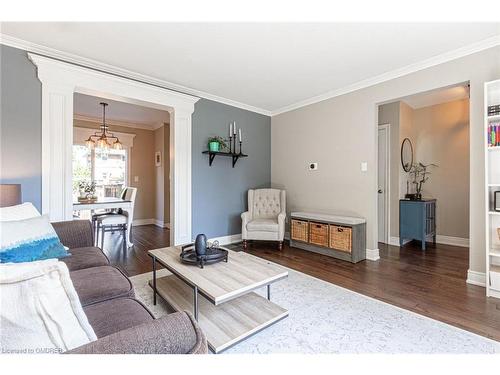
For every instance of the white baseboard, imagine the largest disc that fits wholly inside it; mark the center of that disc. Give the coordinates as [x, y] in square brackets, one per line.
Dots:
[138, 222]
[372, 254]
[394, 241]
[161, 224]
[455, 241]
[476, 278]
[444, 240]
[158, 223]
[226, 240]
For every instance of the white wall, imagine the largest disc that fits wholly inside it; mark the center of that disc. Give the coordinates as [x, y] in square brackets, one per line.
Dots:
[341, 132]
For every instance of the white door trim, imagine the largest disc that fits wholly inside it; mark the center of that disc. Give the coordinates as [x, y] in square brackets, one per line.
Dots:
[387, 192]
[60, 80]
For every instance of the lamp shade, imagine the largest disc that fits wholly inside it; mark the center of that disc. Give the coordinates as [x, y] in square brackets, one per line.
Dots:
[10, 195]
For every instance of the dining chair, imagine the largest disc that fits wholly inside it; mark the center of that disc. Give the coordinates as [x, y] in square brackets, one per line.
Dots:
[115, 221]
[98, 213]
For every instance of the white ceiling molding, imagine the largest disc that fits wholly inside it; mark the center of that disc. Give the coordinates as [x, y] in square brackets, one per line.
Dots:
[106, 68]
[126, 124]
[81, 134]
[96, 65]
[412, 68]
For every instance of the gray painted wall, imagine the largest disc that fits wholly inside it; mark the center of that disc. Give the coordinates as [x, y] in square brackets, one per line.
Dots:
[21, 124]
[220, 191]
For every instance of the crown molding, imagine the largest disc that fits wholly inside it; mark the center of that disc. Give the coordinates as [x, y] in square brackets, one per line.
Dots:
[96, 65]
[124, 73]
[412, 68]
[135, 125]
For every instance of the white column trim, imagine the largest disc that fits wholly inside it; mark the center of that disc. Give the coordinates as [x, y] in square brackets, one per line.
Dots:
[372, 254]
[476, 278]
[60, 80]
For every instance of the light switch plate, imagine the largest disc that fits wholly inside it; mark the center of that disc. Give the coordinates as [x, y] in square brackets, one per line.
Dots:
[313, 166]
[136, 178]
[364, 166]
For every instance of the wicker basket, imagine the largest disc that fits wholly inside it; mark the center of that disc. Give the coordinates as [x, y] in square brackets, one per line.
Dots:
[341, 238]
[299, 230]
[318, 234]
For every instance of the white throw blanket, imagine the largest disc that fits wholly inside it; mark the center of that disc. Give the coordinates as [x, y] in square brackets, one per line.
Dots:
[39, 309]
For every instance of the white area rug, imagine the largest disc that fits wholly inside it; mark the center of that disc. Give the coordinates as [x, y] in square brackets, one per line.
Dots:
[325, 318]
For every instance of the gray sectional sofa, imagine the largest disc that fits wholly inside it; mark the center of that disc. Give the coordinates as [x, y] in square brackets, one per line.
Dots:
[121, 323]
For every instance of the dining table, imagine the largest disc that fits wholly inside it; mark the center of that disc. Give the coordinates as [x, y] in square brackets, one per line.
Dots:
[108, 203]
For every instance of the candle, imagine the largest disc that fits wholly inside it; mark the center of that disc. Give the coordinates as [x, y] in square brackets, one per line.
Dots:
[230, 129]
[239, 133]
[234, 127]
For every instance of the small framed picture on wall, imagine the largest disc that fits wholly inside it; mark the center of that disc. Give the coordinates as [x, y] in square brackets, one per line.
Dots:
[158, 158]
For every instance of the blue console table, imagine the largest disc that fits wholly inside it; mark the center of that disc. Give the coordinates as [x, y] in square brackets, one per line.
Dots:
[417, 220]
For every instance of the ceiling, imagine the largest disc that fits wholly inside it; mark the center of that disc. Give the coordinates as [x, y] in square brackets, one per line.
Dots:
[439, 96]
[269, 67]
[87, 107]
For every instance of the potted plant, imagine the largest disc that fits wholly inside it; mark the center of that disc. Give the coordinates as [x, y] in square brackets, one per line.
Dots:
[420, 175]
[216, 143]
[87, 191]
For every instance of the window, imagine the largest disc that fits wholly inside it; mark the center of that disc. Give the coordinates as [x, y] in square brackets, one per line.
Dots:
[108, 168]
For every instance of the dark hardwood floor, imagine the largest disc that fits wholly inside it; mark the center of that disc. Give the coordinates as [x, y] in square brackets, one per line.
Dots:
[431, 282]
[135, 260]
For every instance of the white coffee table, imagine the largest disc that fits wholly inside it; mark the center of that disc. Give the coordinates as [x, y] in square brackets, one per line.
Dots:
[221, 296]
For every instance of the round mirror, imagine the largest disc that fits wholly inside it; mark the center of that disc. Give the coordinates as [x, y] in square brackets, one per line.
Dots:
[406, 154]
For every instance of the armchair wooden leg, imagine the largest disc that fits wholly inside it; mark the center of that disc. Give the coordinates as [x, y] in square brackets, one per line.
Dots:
[245, 244]
[280, 245]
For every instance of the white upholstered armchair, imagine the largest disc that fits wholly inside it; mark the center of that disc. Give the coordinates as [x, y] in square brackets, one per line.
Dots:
[265, 218]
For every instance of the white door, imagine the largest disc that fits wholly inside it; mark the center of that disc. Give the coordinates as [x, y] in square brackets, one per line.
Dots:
[383, 183]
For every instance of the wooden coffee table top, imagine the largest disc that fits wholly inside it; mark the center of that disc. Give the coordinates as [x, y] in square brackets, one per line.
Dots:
[221, 282]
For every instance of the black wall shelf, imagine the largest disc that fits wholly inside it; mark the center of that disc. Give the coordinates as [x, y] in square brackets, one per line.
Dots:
[213, 154]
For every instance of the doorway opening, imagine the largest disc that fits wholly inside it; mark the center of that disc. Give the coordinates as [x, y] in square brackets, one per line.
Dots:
[136, 155]
[436, 123]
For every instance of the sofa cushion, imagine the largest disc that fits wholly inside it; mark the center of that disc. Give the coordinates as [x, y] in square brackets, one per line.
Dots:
[99, 284]
[263, 225]
[116, 315]
[85, 257]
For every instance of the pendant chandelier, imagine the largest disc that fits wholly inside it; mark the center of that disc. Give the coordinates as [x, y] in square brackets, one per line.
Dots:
[104, 139]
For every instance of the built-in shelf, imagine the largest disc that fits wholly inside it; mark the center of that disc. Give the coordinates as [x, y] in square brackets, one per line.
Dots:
[213, 154]
[492, 165]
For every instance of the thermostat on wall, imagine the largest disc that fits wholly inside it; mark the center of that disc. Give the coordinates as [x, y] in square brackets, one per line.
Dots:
[313, 166]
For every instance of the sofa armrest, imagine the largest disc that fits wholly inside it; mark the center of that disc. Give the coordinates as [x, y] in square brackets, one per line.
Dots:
[177, 333]
[75, 233]
[281, 225]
